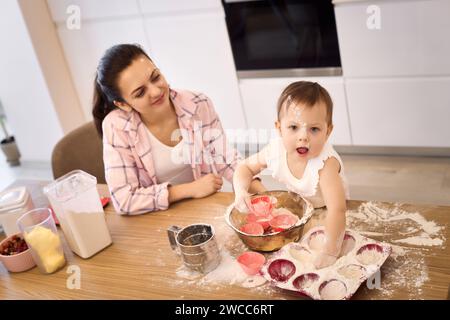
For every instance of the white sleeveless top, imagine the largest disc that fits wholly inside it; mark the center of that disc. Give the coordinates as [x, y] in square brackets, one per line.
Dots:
[169, 162]
[308, 186]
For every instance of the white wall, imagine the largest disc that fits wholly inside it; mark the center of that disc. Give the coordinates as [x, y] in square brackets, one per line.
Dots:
[53, 64]
[23, 91]
[84, 47]
[198, 57]
[188, 40]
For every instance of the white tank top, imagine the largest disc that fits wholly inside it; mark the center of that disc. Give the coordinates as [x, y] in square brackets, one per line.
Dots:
[169, 162]
[308, 186]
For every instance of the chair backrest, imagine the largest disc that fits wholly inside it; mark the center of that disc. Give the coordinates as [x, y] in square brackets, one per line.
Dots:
[81, 149]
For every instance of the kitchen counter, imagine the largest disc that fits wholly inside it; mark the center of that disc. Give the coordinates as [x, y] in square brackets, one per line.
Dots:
[141, 265]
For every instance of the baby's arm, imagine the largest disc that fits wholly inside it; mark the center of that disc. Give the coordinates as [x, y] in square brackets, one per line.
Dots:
[243, 177]
[334, 197]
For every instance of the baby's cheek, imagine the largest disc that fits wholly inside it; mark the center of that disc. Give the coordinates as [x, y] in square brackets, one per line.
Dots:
[315, 150]
[288, 141]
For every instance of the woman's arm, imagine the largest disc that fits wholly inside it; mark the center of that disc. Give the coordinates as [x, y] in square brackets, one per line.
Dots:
[199, 188]
[179, 192]
[334, 197]
[121, 173]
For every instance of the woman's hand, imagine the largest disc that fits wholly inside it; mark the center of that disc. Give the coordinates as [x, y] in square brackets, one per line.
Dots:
[206, 185]
[199, 188]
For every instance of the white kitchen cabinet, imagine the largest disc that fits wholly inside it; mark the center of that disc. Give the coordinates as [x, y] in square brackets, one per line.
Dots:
[175, 6]
[194, 53]
[413, 38]
[84, 48]
[260, 96]
[93, 9]
[412, 112]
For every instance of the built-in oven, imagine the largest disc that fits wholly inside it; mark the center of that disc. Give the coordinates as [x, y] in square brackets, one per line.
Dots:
[283, 37]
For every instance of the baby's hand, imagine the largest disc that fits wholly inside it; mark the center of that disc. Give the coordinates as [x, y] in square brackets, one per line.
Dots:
[323, 260]
[240, 201]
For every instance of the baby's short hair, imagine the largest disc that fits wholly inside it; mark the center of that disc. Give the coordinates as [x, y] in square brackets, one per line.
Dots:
[307, 93]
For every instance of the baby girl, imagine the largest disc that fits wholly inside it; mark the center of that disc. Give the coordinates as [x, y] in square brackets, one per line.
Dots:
[303, 160]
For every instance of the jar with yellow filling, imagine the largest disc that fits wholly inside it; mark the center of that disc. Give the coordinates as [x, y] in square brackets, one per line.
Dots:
[46, 248]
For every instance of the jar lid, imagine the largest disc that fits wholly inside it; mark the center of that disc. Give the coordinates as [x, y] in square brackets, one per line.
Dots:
[13, 198]
[70, 185]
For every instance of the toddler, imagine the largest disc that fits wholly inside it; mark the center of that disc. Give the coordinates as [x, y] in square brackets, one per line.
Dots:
[303, 160]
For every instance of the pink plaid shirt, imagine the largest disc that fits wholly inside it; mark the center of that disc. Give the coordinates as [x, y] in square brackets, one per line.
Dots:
[128, 157]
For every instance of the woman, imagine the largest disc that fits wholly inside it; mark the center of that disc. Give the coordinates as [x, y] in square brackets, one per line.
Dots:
[159, 145]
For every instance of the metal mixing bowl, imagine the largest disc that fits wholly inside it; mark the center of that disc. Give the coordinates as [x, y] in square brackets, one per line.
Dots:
[270, 242]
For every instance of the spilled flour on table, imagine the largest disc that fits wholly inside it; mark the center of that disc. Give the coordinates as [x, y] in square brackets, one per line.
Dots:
[228, 272]
[426, 233]
[422, 240]
[409, 234]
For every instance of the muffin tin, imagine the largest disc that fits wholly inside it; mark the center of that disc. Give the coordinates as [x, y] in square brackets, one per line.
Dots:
[292, 268]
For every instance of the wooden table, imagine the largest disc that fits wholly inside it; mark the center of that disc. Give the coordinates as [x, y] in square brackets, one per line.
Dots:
[141, 265]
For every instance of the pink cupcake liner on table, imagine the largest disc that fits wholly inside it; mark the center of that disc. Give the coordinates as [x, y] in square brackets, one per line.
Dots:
[251, 262]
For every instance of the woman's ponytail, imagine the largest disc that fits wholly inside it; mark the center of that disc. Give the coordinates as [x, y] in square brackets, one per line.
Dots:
[101, 107]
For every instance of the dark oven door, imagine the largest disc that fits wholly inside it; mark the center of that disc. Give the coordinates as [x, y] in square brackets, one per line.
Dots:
[282, 34]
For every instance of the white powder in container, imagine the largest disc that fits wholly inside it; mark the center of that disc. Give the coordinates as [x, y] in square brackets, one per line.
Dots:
[88, 232]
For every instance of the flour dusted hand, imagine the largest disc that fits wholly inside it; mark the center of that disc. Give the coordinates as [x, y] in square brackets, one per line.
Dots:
[331, 248]
[241, 201]
[323, 260]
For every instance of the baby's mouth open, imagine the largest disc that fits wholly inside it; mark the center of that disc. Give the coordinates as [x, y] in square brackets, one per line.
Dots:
[302, 151]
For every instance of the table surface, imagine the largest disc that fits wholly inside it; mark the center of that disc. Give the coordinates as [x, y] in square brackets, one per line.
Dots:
[141, 265]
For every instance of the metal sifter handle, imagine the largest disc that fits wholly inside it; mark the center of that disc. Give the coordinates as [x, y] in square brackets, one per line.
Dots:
[172, 232]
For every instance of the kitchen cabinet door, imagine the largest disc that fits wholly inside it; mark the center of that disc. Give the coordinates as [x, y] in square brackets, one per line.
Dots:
[93, 9]
[260, 96]
[84, 48]
[194, 53]
[413, 38]
[173, 6]
[411, 112]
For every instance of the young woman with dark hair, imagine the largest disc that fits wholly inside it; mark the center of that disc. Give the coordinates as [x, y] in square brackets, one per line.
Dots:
[160, 145]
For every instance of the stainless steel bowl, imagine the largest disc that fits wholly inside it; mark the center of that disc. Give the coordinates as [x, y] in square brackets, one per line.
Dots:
[270, 242]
